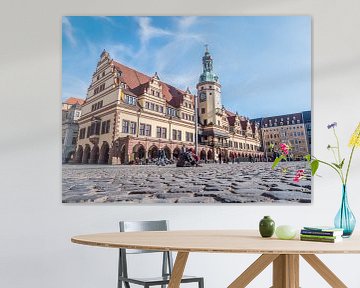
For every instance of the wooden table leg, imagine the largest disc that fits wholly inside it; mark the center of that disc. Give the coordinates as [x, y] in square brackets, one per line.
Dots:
[178, 269]
[253, 270]
[286, 271]
[324, 271]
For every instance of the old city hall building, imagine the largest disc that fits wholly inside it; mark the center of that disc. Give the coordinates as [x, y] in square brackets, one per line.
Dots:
[128, 116]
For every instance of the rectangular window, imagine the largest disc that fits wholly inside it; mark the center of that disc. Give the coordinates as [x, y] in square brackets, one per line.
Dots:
[107, 129]
[174, 136]
[103, 127]
[161, 109]
[163, 133]
[179, 135]
[152, 106]
[92, 128]
[97, 128]
[125, 126]
[158, 132]
[130, 100]
[132, 127]
[82, 133]
[202, 110]
[88, 131]
[147, 105]
[142, 129]
[189, 137]
[148, 130]
[205, 121]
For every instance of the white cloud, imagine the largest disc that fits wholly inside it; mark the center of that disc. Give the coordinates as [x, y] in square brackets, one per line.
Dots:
[68, 30]
[173, 53]
[185, 22]
[147, 31]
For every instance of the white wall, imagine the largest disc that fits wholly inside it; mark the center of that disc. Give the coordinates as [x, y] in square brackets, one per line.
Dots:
[35, 228]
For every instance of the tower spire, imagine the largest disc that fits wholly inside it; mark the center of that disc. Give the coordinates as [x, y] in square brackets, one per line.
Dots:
[208, 74]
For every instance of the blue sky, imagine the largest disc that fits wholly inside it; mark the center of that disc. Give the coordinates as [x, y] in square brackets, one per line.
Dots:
[263, 62]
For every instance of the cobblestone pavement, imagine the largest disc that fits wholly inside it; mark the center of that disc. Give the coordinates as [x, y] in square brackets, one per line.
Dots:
[211, 183]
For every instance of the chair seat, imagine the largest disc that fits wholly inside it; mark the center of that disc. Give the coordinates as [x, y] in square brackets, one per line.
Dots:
[158, 280]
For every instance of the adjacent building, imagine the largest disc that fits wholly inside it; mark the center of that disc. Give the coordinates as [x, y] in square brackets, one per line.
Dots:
[292, 129]
[71, 112]
[128, 116]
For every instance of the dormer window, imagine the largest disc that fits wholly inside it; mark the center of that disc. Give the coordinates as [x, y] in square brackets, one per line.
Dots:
[131, 100]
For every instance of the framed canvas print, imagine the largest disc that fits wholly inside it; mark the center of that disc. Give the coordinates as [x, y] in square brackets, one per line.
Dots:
[186, 109]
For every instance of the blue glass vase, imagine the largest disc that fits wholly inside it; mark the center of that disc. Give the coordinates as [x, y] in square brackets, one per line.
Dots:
[345, 219]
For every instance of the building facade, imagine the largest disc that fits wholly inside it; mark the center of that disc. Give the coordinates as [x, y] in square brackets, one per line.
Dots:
[290, 129]
[128, 116]
[71, 112]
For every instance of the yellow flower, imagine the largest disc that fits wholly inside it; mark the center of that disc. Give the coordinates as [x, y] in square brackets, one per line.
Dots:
[355, 138]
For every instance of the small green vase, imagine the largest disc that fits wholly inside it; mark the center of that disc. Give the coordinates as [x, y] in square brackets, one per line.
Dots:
[267, 227]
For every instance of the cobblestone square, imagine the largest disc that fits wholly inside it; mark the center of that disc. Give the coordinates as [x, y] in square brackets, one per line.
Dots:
[211, 183]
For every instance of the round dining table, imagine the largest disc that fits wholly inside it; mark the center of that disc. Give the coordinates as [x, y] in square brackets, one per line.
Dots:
[283, 254]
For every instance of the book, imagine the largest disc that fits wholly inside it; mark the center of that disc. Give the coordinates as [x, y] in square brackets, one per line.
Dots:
[323, 228]
[321, 233]
[319, 236]
[325, 240]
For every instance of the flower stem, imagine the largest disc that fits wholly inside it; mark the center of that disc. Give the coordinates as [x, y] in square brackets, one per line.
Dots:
[351, 155]
[338, 149]
[337, 144]
[332, 166]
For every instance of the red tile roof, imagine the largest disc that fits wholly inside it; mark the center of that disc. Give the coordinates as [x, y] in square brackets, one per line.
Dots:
[137, 82]
[73, 100]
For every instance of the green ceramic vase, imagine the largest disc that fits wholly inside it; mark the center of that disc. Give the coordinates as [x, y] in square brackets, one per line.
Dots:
[267, 227]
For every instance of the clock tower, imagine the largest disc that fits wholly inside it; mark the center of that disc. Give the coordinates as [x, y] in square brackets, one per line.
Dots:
[209, 93]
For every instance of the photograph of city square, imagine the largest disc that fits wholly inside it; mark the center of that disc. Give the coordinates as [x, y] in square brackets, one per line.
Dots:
[188, 110]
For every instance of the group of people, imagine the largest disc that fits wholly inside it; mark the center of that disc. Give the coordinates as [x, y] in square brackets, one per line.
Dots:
[188, 157]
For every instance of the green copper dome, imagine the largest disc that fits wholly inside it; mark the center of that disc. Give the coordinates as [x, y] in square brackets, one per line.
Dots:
[208, 74]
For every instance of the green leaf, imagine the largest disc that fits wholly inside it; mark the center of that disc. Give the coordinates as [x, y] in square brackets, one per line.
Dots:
[336, 165]
[342, 163]
[314, 167]
[277, 161]
[307, 157]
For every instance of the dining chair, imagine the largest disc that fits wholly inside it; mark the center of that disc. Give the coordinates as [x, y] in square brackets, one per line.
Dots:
[167, 261]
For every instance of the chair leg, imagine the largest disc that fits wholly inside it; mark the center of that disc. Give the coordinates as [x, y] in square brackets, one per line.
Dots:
[201, 283]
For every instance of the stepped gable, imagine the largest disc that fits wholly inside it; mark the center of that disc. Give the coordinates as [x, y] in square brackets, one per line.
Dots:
[231, 117]
[137, 82]
[244, 124]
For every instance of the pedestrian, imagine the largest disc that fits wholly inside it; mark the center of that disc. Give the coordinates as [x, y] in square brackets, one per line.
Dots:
[220, 156]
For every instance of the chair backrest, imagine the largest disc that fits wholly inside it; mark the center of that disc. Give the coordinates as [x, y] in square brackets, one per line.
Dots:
[137, 226]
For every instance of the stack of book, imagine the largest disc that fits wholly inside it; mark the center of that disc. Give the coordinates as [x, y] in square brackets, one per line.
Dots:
[321, 234]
